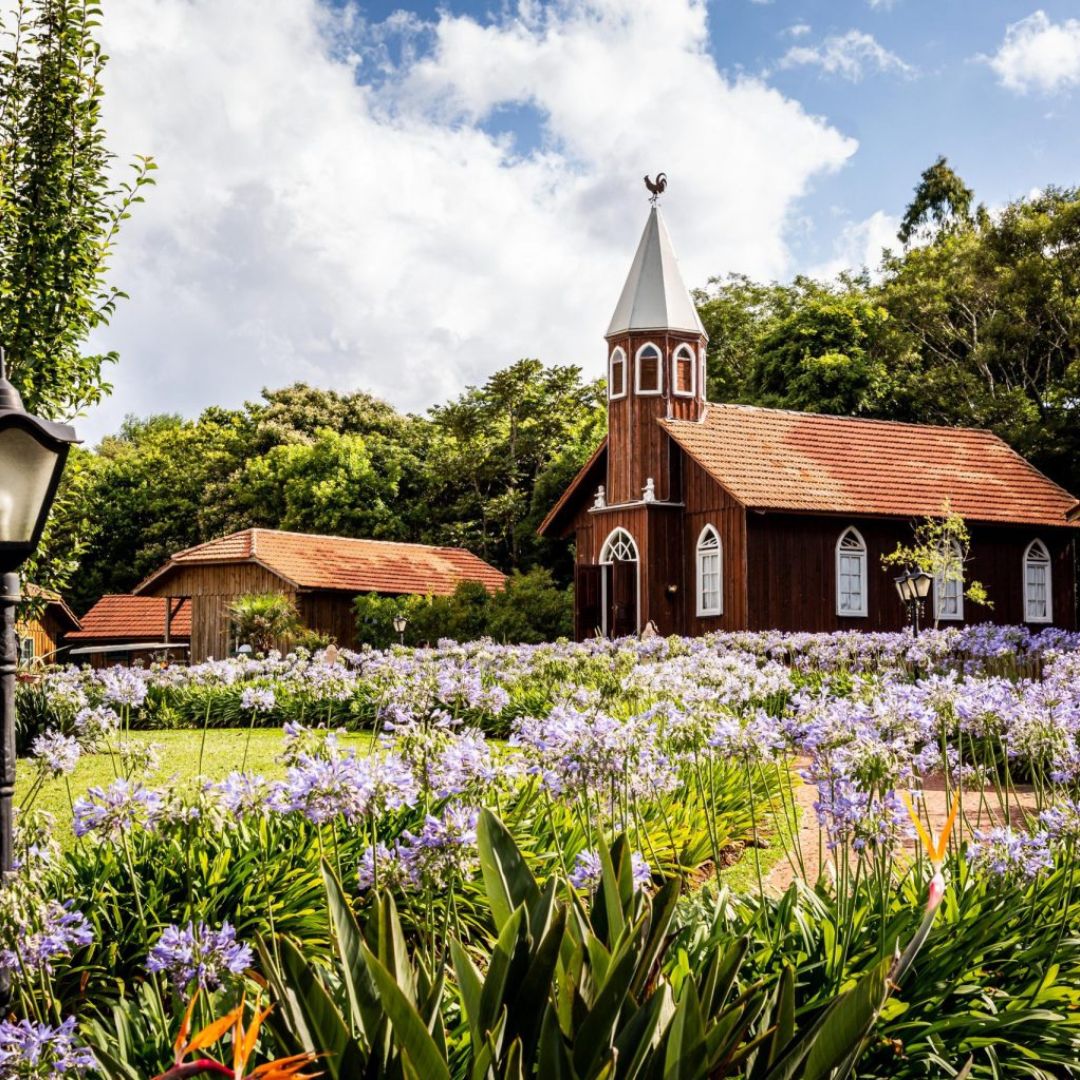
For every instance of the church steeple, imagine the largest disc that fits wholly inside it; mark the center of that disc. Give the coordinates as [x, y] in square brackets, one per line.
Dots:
[656, 368]
[654, 296]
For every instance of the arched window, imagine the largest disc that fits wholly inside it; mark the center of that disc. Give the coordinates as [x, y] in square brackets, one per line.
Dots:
[949, 588]
[619, 547]
[710, 570]
[1037, 590]
[851, 573]
[683, 371]
[649, 370]
[617, 374]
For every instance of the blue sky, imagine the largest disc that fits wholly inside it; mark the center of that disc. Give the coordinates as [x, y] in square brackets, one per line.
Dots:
[404, 199]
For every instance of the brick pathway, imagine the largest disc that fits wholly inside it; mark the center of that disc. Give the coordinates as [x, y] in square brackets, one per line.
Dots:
[976, 816]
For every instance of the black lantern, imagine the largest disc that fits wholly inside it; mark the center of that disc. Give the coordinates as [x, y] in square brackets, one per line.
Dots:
[913, 587]
[400, 622]
[32, 457]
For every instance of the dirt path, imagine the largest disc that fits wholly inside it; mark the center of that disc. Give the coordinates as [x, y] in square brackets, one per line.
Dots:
[976, 815]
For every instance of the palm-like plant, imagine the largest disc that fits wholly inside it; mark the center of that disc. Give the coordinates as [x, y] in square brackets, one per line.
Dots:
[260, 619]
[568, 991]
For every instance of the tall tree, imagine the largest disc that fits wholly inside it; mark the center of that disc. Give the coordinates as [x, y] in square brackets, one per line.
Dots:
[493, 443]
[60, 206]
[942, 201]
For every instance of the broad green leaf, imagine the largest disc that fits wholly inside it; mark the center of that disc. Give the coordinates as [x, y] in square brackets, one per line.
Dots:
[410, 1032]
[508, 880]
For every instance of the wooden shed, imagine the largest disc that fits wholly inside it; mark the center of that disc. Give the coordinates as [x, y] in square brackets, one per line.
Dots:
[699, 517]
[323, 575]
[125, 629]
[40, 637]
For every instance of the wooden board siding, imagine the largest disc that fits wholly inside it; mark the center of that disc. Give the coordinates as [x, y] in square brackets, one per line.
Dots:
[212, 589]
[637, 446]
[330, 613]
[43, 632]
[707, 503]
[791, 573]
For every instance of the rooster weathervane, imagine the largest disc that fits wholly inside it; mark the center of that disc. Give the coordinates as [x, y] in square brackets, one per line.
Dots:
[656, 187]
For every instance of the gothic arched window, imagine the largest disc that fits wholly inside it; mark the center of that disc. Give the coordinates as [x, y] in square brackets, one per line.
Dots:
[851, 573]
[649, 370]
[1038, 604]
[617, 373]
[683, 369]
[710, 573]
[949, 588]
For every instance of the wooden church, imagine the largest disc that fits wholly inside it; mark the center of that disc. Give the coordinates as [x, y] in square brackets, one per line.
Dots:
[699, 517]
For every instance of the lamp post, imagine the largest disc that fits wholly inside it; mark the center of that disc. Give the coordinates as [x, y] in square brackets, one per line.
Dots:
[400, 622]
[913, 587]
[32, 457]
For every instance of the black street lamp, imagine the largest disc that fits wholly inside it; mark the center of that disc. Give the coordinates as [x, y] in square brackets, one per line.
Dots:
[400, 622]
[32, 457]
[913, 586]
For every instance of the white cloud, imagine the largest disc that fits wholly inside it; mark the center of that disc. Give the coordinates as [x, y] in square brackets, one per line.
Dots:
[882, 5]
[313, 221]
[860, 245]
[850, 55]
[797, 30]
[1038, 54]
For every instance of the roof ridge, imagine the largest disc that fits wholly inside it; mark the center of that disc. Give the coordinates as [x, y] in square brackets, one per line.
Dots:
[847, 419]
[356, 539]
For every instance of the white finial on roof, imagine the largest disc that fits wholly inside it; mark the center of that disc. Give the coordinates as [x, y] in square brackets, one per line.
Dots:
[654, 296]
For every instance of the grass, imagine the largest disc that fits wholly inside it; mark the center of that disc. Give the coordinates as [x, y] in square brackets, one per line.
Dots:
[179, 755]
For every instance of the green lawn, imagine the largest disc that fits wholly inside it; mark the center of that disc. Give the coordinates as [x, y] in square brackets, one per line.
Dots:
[179, 758]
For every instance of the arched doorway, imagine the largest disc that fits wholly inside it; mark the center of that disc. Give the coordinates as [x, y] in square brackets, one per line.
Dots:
[619, 584]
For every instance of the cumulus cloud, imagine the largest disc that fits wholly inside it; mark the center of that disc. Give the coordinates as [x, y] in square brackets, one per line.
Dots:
[1039, 54]
[860, 245]
[797, 30]
[851, 55]
[344, 203]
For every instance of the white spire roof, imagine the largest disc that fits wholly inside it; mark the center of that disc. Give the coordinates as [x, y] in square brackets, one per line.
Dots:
[654, 296]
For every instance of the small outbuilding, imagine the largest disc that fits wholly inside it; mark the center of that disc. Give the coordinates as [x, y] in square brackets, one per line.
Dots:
[323, 575]
[41, 635]
[125, 629]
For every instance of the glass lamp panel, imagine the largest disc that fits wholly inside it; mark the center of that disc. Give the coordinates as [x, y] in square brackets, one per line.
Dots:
[26, 470]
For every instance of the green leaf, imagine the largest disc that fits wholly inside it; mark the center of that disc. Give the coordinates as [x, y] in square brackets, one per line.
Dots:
[363, 995]
[508, 880]
[847, 1022]
[410, 1032]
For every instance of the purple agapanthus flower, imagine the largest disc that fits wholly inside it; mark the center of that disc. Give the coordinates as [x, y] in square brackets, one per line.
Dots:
[53, 932]
[258, 699]
[198, 954]
[56, 754]
[30, 1049]
[117, 809]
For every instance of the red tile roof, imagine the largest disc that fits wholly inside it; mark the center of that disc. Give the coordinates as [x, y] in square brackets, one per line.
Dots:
[771, 459]
[342, 563]
[121, 617]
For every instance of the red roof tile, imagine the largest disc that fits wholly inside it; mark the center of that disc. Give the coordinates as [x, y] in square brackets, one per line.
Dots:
[772, 459]
[133, 618]
[343, 563]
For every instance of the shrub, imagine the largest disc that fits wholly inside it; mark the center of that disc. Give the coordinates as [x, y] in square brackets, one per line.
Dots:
[261, 619]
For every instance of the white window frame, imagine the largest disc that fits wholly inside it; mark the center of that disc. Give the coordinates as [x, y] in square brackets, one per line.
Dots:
[683, 351]
[624, 538]
[940, 586]
[709, 545]
[1042, 560]
[26, 650]
[618, 355]
[659, 371]
[859, 553]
